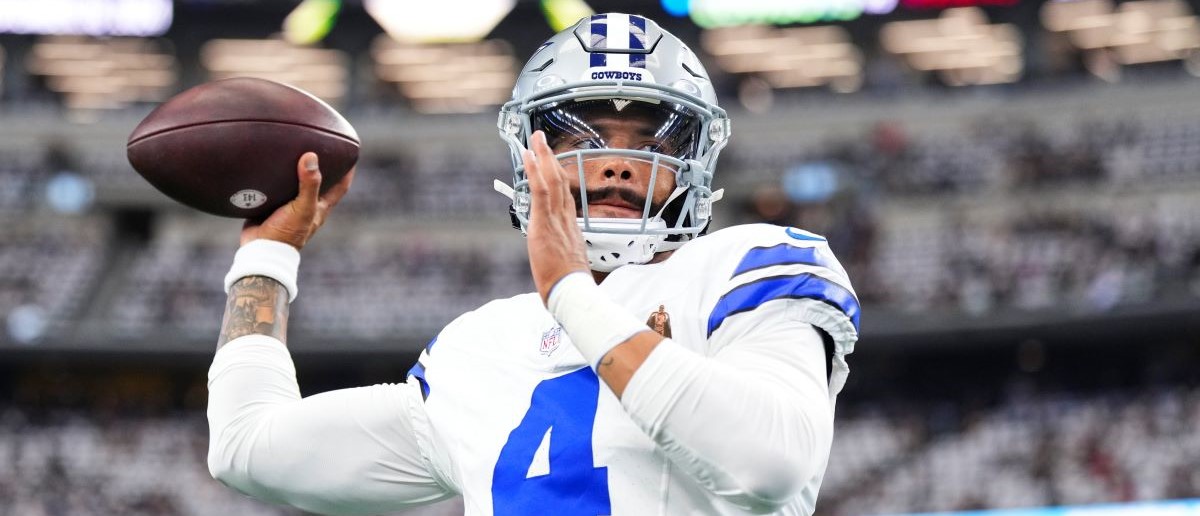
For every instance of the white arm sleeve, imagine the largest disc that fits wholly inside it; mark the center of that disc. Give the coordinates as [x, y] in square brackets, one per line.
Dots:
[352, 451]
[753, 423]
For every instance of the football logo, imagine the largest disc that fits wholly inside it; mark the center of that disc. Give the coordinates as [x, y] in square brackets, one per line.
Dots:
[248, 198]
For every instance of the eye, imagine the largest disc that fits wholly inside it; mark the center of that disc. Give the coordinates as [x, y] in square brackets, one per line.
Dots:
[586, 144]
[653, 147]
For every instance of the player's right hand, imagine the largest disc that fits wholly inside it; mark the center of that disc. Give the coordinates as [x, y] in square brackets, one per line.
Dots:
[295, 222]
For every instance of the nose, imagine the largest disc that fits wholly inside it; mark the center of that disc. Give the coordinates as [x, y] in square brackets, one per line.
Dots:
[625, 175]
[616, 169]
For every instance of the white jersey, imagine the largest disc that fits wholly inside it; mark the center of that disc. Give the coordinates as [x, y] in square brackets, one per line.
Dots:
[514, 403]
[510, 415]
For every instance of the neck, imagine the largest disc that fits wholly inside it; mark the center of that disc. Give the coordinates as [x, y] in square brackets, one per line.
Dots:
[658, 257]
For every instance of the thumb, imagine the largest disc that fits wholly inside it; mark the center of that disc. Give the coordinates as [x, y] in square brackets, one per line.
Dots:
[310, 179]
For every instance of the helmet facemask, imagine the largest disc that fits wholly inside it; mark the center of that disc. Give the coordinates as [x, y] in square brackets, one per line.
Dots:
[655, 139]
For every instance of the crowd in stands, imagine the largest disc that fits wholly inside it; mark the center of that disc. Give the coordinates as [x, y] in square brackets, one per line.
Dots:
[373, 290]
[1031, 451]
[1028, 451]
[993, 157]
[1085, 257]
[1071, 261]
[46, 274]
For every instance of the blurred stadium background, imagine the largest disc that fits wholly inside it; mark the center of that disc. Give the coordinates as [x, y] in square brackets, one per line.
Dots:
[1013, 184]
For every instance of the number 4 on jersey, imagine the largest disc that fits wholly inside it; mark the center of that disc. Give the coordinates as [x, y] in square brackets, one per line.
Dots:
[566, 408]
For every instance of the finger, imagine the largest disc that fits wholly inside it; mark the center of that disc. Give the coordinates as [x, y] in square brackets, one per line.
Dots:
[556, 176]
[335, 193]
[548, 171]
[547, 162]
[310, 180]
[537, 184]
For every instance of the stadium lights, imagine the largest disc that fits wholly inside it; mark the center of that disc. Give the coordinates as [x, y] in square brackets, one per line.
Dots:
[322, 72]
[310, 21]
[1140, 31]
[86, 17]
[960, 47]
[561, 14]
[447, 77]
[441, 21]
[104, 74]
[726, 13]
[788, 58]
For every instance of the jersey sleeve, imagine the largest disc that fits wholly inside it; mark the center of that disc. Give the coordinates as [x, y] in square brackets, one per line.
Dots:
[351, 451]
[752, 424]
[768, 264]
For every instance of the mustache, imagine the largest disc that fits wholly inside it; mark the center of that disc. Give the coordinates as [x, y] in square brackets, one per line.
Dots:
[627, 195]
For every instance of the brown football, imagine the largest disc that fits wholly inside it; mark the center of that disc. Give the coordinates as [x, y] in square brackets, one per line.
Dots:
[230, 147]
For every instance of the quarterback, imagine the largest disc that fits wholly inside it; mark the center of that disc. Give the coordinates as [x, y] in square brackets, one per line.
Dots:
[657, 370]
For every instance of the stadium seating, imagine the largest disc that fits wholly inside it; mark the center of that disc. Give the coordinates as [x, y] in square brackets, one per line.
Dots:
[1066, 449]
[1120, 227]
[46, 271]
[1063, 449]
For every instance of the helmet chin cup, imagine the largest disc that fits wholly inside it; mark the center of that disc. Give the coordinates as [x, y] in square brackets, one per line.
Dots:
[613, 243]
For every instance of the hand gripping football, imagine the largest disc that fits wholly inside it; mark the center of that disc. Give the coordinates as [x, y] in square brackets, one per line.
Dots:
[231, 147]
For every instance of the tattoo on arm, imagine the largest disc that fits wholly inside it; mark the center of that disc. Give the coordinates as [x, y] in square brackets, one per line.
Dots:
[257, 305]
[606, 361]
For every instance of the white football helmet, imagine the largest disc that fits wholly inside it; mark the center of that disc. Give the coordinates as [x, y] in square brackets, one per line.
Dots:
[621, 65]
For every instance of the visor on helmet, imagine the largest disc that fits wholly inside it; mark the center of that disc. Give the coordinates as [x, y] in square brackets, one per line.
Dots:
[618, 123]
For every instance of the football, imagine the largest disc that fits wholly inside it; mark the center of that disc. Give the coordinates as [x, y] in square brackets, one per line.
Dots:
[231, 147]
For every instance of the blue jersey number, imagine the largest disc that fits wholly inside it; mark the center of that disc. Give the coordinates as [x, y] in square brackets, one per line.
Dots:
[565, 407]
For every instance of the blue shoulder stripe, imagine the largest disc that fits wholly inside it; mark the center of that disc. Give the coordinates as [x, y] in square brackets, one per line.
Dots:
[799, 286]
[782, 254]
[418, 371]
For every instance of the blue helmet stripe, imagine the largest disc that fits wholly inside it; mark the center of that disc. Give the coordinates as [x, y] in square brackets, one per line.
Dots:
[637, 40]
[782, 254]
[637, 33]
[800, 286]
[599, 27]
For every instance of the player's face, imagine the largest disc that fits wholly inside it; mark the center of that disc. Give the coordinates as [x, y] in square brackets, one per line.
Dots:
[617, 185]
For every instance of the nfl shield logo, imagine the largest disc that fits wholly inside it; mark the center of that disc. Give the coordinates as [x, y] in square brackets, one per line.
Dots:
[550, 340]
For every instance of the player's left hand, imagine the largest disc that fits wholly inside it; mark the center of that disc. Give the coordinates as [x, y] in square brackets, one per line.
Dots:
[555, 242]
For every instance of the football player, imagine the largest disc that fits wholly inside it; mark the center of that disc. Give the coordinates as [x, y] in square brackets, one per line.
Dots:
[564, 401]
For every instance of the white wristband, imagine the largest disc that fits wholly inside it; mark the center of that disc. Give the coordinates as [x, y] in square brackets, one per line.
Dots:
[270, 258]
[595, 323]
